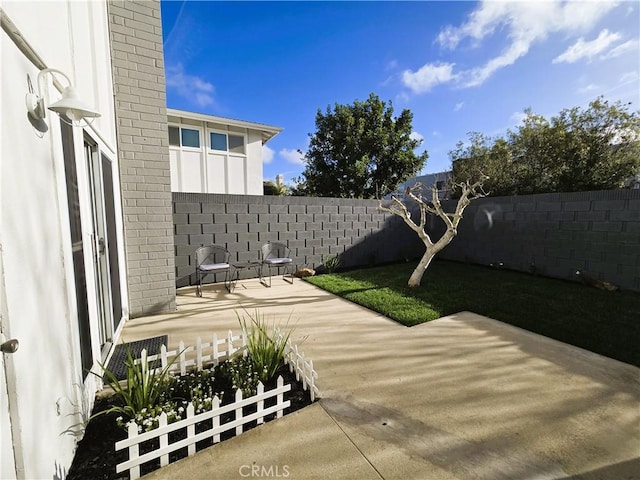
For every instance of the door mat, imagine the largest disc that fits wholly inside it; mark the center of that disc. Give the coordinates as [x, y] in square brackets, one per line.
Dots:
[152, 345]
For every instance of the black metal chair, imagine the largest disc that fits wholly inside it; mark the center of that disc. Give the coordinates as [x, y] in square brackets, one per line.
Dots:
[212, 259]
[276, 255]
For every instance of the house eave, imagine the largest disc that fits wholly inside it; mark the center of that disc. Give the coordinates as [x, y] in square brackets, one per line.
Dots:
[267, 131]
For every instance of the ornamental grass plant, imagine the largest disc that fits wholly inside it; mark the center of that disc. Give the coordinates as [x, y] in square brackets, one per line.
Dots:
[144, 385]
[266, 344]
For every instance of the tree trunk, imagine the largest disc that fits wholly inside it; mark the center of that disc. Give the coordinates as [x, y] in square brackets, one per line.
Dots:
[432, 250]
[416, 276]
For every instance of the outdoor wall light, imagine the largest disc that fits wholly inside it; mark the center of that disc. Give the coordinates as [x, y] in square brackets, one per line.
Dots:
[8, 346]
[70, 108]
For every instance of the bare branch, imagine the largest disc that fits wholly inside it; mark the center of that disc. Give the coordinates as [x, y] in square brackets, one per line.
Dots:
[470, 191]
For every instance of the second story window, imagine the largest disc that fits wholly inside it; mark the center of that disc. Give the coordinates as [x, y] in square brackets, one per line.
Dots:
[184, 137]
[223, 142]
[218, 142]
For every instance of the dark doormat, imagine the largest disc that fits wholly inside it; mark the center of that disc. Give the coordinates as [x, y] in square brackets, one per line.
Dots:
[152, 345]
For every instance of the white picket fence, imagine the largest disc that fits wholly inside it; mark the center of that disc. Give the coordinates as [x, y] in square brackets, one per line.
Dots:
[303, 369]
[201, 354]
[221, 349]
[198, 356]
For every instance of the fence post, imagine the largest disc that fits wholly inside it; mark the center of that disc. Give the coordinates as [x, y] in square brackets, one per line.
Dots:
[239, 411]
[297, 363]
[199, 353]
[244, 343]
[229, 344]
[183, 363]
[164, 439]
[163, 356]
[215, 404]
[260, 406]
[280, 398]
[304, 372]
[134, 451]
[215, 349]
[143, 359]
[191, 429]
[312, 381]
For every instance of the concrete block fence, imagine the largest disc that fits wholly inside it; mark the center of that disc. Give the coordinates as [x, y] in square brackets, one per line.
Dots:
[555, 234]
[313, 228]
[549, 234]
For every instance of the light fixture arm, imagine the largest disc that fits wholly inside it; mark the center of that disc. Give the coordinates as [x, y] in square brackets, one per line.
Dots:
[70, 108]
[40, 81]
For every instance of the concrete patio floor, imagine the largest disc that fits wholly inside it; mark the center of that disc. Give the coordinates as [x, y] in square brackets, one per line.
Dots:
[462, 397]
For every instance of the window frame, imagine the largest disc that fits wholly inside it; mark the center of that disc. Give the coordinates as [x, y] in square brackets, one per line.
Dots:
[227, 133]
[181, 127]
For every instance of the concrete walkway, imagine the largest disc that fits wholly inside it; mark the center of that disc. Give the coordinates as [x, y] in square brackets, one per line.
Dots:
[462, 397]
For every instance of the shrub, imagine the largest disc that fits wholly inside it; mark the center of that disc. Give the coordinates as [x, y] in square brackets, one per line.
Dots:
[332, 263]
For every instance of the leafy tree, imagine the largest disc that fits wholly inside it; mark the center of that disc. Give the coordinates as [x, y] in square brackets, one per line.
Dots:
[596, 148]
[360, 151]
[272, 188]
[484, 156]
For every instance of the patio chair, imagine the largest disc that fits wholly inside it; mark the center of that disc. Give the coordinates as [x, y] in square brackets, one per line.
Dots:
[212, 259]
[276, 255]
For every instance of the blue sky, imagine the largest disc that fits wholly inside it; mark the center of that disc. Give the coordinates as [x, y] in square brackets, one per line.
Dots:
[458, 66]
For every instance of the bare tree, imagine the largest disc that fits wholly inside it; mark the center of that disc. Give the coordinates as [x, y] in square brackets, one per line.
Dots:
[469, 191]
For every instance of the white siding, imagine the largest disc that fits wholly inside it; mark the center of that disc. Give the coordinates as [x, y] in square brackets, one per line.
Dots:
[191, 168]
[254, 163]
[236, 175]
[216, 173]
[219, 172]
[34, 232]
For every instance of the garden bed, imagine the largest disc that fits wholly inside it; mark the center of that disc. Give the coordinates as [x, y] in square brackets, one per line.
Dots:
[96, 457]
[205, 394]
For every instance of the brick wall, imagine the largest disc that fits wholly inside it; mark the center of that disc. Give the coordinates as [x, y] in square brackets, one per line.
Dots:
[555, 234]
[143, 153]
[313, 228]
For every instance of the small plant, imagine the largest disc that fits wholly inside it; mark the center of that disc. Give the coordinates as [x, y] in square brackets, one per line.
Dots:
[265, 347]
[332, 263]
[195, 387]
[243, 374]
[144, 388]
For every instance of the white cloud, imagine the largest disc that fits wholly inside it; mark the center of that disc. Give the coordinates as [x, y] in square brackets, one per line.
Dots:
[391, 65]
[416, 136]
[587, 49]
[592, 87]
[517, 117]
[629, 77]
[401, 98]
[621, 49]
[458, 106]
[436, 134]
[267, 154]
[524, 24]
[190, 87]
[428, 76]
[292, 156]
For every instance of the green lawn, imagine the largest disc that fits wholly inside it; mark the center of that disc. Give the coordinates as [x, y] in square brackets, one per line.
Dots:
[604, 322]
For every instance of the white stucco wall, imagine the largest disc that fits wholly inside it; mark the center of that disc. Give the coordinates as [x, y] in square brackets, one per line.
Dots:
[34, 231]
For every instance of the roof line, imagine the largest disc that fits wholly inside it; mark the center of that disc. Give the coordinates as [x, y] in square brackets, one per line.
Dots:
[270, 130]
